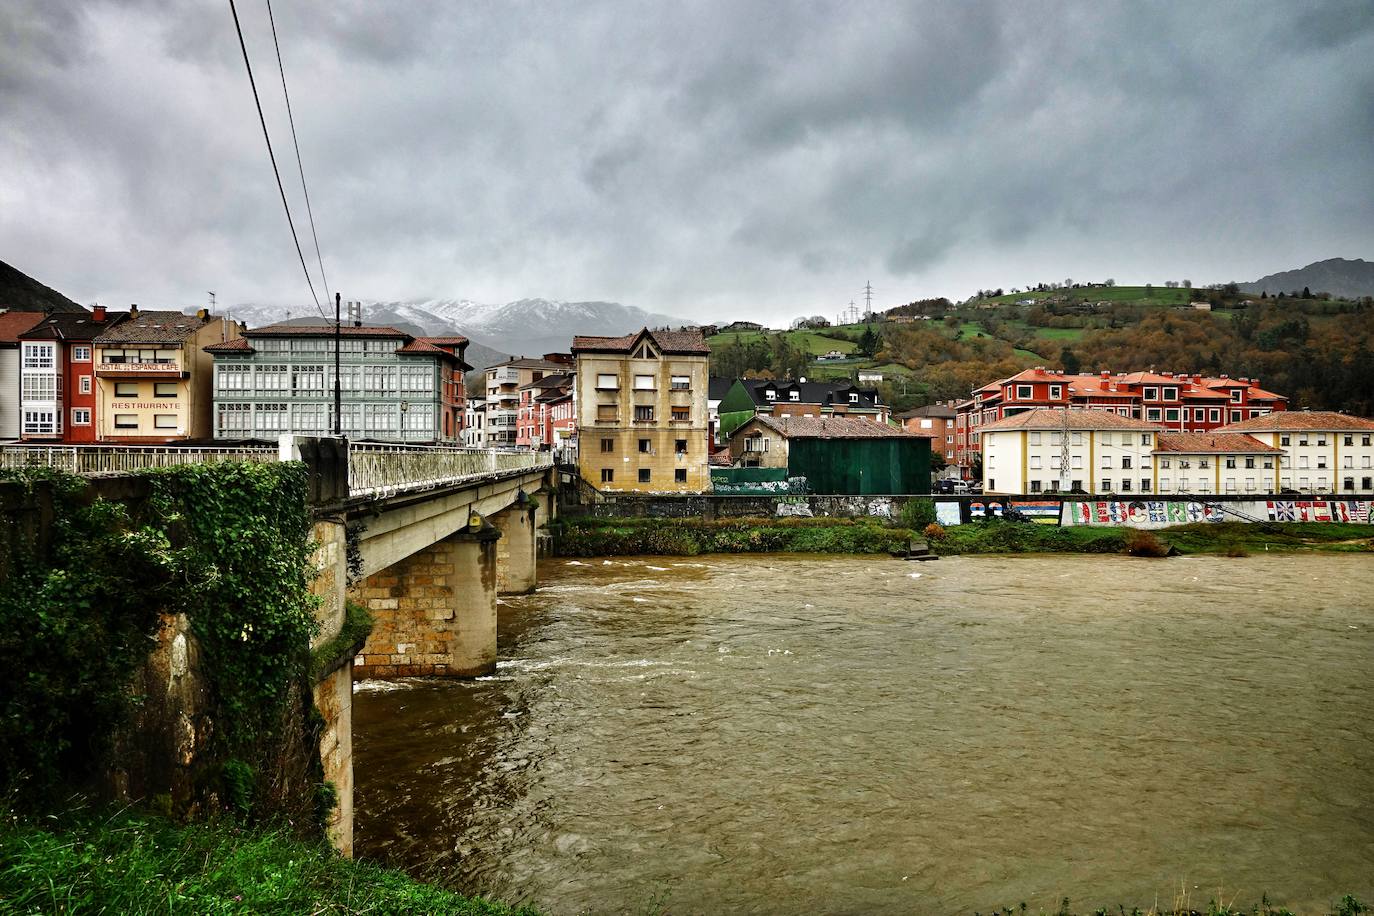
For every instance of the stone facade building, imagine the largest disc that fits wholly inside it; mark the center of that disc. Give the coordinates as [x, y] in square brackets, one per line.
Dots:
[641, 411]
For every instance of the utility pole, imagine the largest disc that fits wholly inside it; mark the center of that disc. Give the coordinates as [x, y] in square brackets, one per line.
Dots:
[868, 297]
[338, 382]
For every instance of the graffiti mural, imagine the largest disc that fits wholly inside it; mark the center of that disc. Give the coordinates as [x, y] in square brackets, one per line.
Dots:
[948, 514]
[1141, 513]
[1040, 511]
[1320, 510]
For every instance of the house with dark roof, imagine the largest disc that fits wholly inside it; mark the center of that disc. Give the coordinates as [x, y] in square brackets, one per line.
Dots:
[58, 399]
[641, 411]
[749, 397]
[395, 387]
[153, 377]
[837, 454]
[937, 421]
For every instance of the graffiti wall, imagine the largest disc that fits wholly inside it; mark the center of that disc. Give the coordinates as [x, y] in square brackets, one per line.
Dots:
[1139, 513]
[1359, 511]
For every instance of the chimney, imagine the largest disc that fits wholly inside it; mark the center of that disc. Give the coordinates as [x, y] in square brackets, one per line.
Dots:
[97, 313]
[133, 309]
[1106, 373]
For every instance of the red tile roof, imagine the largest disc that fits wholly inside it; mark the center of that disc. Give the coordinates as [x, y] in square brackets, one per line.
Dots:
[688, 341]
[451, 341]
[1209, 443]
[1079, 418]
[833, 427]
[1312, 420]
[237, 345]
[12, 324]
[155, 327]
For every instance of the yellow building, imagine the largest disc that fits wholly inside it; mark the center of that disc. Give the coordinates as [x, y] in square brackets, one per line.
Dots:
[641, 411]
[153, 377]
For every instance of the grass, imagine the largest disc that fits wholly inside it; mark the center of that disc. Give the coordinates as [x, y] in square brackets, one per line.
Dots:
[1235, 539]
[133, 863]
[1158, 294]
[811, 342]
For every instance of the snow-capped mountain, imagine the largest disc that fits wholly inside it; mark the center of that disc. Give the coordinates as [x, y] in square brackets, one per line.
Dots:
[527, 327]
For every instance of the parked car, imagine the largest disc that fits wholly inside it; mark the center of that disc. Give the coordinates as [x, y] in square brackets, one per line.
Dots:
[951, 485]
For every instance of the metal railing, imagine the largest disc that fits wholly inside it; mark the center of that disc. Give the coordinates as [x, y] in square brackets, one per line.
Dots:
[104, 459]
[375, 470]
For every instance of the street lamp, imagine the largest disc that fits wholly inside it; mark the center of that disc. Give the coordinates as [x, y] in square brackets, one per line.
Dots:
[405, 405]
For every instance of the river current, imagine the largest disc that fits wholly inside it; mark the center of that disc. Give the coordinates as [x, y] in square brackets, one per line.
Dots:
[790, 734]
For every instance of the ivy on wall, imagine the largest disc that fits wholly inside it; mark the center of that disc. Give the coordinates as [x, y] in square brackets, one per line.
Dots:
[229, 545]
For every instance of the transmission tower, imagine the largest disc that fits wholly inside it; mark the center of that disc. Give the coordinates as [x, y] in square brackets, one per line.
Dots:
[868, 298]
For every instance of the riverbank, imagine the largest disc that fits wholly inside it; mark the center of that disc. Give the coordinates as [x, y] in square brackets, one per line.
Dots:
[584, 536]
[133, 863]
[604, 537]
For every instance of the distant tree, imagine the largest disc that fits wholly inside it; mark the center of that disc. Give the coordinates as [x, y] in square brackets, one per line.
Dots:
[1187, 284]
[868, 342]
[1306, 293]
[1264, 294]
[1149, 290]
[1111, 282]
[1069, 360]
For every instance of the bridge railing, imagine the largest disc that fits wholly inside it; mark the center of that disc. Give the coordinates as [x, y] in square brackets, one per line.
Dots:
[97, 459]
[379, 469]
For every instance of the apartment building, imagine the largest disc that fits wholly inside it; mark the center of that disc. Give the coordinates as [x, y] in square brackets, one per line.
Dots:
[641, 411]
[153, 378]
[475, 422]
[1107, 452]
[1175, 402]
[1323, 451]
[1215, 463]
[12, 324]
[545, 413]
[937, 422]
[58, 401]
[395, 387]
[748, 398]
[504, 381]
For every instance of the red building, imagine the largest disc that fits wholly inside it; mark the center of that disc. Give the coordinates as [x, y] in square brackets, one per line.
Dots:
[58, 393]
[544, 415]
[1179, 402]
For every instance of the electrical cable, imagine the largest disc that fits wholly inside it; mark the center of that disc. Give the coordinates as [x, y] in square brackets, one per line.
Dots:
[280, 187]
[291, 119]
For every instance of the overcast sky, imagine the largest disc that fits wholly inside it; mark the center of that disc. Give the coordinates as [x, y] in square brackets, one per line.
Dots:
[696, 158]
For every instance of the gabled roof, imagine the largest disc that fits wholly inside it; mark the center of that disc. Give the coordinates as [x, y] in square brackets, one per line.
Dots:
[934, 411]
[830, 427]
[155, 327]
[1078, 418]
[689, 341]
[236, 345]
[527, 362]
[12, 324]
[718, 386]
[1212, 443]
[77, 326]
[1300, 420]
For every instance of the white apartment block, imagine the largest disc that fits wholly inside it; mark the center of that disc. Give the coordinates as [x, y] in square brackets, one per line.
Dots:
[1107, 453]
[1323, 452]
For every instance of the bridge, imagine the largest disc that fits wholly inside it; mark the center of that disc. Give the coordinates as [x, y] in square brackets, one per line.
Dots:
[424, 537]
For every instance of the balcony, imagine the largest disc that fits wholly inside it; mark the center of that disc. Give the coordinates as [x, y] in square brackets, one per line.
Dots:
[506, 376]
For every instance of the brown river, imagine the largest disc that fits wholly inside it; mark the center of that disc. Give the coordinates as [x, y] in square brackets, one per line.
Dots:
[800, 734]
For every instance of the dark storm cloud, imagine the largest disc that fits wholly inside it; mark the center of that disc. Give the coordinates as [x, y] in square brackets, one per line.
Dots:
[695, 158]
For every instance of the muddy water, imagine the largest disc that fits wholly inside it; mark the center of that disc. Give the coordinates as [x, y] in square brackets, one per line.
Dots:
[784, 734]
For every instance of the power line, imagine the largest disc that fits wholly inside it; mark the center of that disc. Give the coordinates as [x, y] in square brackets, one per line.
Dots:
[324, 281]
[281, 188]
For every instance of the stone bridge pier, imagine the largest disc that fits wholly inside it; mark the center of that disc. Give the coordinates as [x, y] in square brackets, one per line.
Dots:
[435, 610]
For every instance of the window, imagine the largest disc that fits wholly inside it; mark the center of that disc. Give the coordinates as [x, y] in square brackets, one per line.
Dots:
[1125, 461]
[270, 379]
[270, 418]
[644, 475]
[1152, 414]
[1056, 392]
[608, 475]
[1214, 415]
[1024, 392]
[1171, 415]
[1125, 485]
[309, 418]
[680, 446]
[1171, 394]
[308, 380]
[126, 389]
[606, 413]
[39, 356]
[1321, 438]
[234, 418]
[1350, 483]
[1145, 439]
[607, 445]
[1302, 440]
[853, 398]
[126, 421]
[1144, 485]
[644, 413]
[1035, 462]
[1235, 416]
[1230, 462]
[85, 384]
[1076, 462]
[164, 389]
[681, 383]
[645, 383]
[794, 395]
[39, 387]
[645, 352]
[1104, 438]
[165, 421]
[1199, 414]
[680, 414]
[607, 382]
[81, 416]
[1035, 486]
[1106, 461]
[1164, 462]
[646, 446]
[680, 475]
[1249, 462]
[40, 421]
[1285, 440]
[755, 443]
[1365, 482]
[1151, 394]
[1035, 438]
[1235, 395]
[1105, 485]
[1076, 438]
[1349, 440]
[81, 354]
[1364, 440]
